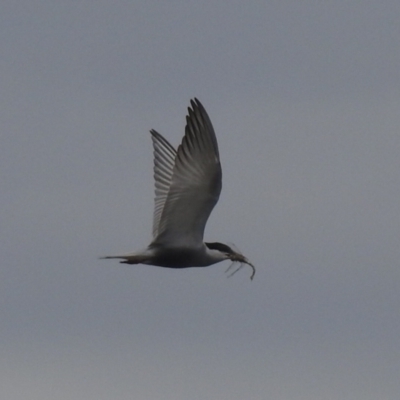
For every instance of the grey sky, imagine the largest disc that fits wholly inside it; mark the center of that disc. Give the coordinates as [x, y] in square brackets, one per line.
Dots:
[304, 97]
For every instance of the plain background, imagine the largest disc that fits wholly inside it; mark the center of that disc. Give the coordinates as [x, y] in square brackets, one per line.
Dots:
[304, 97]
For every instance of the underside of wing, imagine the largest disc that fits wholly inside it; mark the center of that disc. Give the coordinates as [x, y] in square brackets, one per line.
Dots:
[195, 183]
[164, 160]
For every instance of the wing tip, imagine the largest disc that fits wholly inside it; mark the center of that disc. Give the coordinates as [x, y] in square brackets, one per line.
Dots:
[196, 104]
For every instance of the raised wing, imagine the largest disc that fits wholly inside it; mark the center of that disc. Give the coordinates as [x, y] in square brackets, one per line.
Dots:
[164, 160]
[195, 184]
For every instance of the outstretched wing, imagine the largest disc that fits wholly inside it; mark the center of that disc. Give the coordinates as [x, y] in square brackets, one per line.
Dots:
[187, 192]
[164, 160]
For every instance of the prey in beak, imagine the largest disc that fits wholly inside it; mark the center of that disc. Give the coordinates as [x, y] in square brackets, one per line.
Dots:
[237, 257]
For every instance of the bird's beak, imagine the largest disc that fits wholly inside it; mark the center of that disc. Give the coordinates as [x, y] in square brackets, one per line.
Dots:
[237, 257]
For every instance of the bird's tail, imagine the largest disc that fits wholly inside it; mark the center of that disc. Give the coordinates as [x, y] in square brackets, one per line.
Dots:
[129, 258]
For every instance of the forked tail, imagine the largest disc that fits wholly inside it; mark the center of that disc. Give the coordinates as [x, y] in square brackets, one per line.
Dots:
[128, 258]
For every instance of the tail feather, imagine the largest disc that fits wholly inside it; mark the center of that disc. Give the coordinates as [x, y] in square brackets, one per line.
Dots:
[128, 258]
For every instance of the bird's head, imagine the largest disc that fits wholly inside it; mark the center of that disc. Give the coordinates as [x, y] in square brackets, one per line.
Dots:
[232, 255]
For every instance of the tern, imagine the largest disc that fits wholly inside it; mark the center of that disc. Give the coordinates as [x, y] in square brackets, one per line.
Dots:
[188, 183]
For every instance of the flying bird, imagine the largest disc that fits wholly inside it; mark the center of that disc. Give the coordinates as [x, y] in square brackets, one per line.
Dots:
[188, 183]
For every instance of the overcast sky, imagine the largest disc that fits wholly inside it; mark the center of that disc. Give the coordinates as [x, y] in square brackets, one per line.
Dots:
[304, 97]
